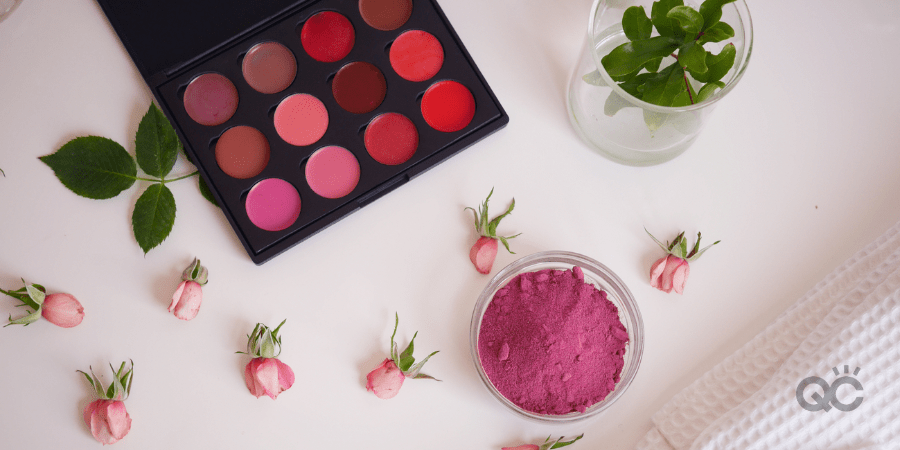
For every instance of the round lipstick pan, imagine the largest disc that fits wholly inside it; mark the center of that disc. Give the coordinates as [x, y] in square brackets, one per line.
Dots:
[301, 119]
[416, 55]
[327, 36]
[269, 67]
[448, 106]
[359, 87]
[210, 99]
[391, 139]
[385, 15]
[242, 152]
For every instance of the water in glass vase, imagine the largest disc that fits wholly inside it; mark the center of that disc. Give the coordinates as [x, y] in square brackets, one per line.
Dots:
[619, 126]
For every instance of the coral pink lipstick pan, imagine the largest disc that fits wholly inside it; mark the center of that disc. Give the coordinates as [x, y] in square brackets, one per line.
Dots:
[298, 113]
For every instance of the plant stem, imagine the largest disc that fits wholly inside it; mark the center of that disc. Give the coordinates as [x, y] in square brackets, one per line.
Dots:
[687, 85]
[164, 181]
[196, 172]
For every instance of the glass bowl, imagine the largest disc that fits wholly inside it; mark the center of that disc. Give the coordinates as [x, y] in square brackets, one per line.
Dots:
[600, 277]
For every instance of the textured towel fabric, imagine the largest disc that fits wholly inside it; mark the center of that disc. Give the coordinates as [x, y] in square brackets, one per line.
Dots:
[749, 401]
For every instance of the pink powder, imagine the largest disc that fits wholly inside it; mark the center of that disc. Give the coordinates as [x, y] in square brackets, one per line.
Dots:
[551, 343]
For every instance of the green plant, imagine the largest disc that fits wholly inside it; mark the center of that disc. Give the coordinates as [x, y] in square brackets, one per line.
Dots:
[682, 33]
[100, 168]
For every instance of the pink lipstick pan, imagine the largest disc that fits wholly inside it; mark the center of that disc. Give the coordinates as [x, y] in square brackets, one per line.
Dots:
[298, 113]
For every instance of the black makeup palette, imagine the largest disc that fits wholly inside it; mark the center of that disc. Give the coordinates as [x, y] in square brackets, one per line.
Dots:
[298, 113]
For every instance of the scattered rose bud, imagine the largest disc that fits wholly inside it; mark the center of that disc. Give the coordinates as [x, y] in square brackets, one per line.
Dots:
[386, 379]
[265, 374]
[484, 251]
[671, 271]
[59, 309]
[106, 416]
[62, 310]
[189, 295]
[547, 445]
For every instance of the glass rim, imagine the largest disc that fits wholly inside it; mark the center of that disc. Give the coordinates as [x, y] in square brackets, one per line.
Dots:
[621, 296]
[742, 10]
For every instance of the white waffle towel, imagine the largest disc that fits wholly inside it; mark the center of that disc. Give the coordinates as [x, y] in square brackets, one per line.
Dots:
[750, 401]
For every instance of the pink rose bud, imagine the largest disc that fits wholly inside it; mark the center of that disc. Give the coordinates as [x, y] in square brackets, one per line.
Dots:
[62, 310]
[186, 301]
[265, 374]
[484, 251]
[189, 294]
[268, 376]
[106, 417]
[385, 380]
[108, 420]
[547, 445]
[668, 273]
[671, 271]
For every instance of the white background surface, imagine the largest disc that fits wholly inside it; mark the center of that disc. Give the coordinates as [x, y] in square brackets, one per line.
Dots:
[796, 170]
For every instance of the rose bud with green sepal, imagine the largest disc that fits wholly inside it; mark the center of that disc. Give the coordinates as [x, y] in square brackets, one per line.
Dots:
[62, 310]
[106, 416]
[671, 271]
[265, 374]
[189, 294]
[547, 445]
[385, 380]
[484, 251]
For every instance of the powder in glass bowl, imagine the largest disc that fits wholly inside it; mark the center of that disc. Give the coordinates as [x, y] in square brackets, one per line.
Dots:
[552, 343]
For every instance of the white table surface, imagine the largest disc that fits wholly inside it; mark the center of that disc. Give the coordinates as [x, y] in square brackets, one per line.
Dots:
[796, 170]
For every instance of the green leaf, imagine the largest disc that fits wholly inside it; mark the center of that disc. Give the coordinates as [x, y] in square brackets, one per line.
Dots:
[655, 120]
[31, 317]
[701, 252]
[631, 56]
[689, 20]
[682, 99]
[711, 10]
[676, 241]
[717, 65]
[156, 145]
[35, 294]
[709, 89]
[394, 355]
[560, 443]
[111, 391]
[492, 226]
[414, 372]
[653, 65]
[153, 217]
[664, 86]
[716, 33]
[634, 86]
[594, 79]
[625, 78]
[117, 387]
[93, 167]
[693, 57]
[91, 381]
[614, 103]
[636, 24]
[659, 16]
[421, 376]
[406, 359]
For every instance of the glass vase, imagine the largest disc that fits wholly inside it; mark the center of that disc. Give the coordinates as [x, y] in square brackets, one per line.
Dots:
[624, 128]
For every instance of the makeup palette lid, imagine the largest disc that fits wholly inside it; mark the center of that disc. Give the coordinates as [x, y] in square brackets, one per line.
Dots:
[163, 36]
